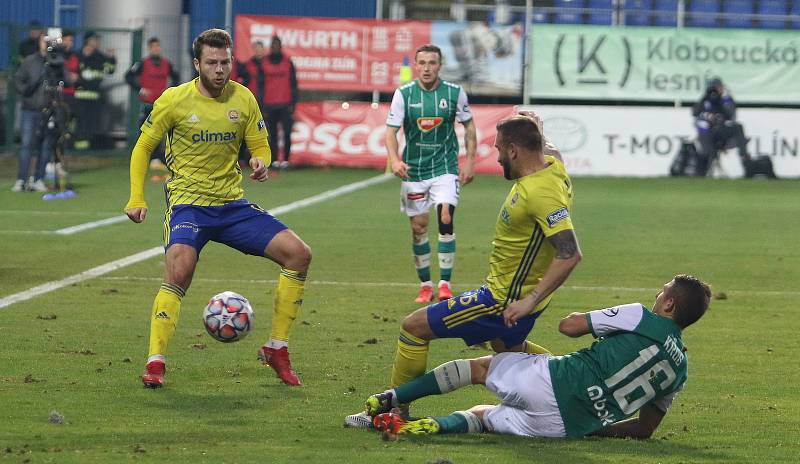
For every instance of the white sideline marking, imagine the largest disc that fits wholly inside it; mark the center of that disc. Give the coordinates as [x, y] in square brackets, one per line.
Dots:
[91, 225]
[85, 275]
[26, 232]
[146, 254]
[57, 213]
[416, 285]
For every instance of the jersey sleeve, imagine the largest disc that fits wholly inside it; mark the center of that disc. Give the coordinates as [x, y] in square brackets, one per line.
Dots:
[615, 319]
[463, 112]
[255, 131]
[550, 210]
[161, 119]
[397, 111]
[663, 403]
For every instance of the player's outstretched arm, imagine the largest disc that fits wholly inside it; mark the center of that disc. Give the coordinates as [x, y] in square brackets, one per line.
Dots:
[136, 209]
[574, 325]
[568, 255]
[641, 427]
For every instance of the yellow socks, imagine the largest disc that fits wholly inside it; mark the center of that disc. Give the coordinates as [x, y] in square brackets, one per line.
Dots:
[288, 298]
[410, 360]
[164, 318]
[533, 348]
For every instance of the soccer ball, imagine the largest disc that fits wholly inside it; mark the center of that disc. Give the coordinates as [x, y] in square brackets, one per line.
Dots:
[228, 317]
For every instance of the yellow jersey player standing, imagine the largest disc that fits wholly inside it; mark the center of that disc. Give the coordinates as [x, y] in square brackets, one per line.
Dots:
[205, 122]
[534, 250]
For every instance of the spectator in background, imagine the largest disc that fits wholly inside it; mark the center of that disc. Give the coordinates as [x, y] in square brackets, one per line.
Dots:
[150, 77]
[715, 120]
[93, 65]
[35, 82]
[30, 45]
[274, 83]
[70, 66]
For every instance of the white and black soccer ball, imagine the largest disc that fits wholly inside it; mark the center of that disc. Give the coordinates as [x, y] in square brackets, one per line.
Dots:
[228, 317]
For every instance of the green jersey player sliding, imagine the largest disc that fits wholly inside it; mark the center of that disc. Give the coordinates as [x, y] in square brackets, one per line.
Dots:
[638, 363]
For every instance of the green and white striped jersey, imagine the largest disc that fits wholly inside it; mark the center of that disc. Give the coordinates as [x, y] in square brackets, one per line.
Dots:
[428, 120]
[639, 359]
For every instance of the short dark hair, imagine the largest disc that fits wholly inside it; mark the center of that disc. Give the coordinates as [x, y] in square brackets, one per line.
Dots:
[691, 298]
[521, 131]
[67, 33]
[215, 38]
[428, 48]
[276, 40]
[152, 40]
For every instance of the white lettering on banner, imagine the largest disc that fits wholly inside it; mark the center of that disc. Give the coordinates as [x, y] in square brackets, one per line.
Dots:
[311, 62]
[336, 40]
[347, 136]
[327, 138]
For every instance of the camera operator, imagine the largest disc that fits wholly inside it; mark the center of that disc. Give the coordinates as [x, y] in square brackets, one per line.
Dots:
[38, 80]
[715, 119]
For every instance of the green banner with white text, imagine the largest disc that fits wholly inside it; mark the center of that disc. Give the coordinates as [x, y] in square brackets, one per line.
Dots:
[663, 64]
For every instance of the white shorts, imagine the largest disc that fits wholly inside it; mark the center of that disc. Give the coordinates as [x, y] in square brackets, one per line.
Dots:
[417, 198]
[522, 382]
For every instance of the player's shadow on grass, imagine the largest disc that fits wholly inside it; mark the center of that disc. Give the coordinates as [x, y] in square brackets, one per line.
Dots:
[574, 450]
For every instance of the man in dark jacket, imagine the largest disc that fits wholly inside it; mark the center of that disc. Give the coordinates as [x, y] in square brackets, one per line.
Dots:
[150, 77]
[93, 65]
[37, 83]
[273, 81]
[30, 45]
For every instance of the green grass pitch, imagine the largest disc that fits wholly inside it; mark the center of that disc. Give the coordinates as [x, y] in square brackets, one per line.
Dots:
[80, 350]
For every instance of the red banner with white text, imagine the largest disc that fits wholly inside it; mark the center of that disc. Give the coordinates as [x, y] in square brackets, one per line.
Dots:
[352, 134]
[337, 54]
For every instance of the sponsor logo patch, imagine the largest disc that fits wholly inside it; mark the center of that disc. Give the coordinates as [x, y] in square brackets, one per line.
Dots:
[427, 124]
[162, 315]
[186, 225]
[611, 312]
[233, 115]
[557, 216]
[261, 125]
[193, 118]
[214, 137]
[505, 216]
[515, 199]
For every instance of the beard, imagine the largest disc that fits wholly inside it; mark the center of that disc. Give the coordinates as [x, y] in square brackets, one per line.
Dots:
[210, 85]
[506, 169]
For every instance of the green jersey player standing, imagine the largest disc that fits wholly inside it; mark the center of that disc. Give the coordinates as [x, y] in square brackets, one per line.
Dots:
[427, 109]
[638, 363]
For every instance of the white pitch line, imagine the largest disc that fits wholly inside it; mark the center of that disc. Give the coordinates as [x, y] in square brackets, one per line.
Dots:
[146, 254]
[57, 213]
[91, 225]
[85, 275]
[416, 285]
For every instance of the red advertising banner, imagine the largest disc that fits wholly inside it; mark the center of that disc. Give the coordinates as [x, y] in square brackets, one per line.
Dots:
[352, 134]
[337, 54]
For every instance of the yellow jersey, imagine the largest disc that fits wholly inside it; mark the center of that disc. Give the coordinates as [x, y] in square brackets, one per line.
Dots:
[204, 135]
[537, 207]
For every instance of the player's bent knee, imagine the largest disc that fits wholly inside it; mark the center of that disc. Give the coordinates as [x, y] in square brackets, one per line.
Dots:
[419, 230]
[416, 324]
[300, 258]
[480, 368]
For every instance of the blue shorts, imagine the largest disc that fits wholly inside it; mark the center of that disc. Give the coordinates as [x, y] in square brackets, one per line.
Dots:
[239, 224]
[476, 317]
